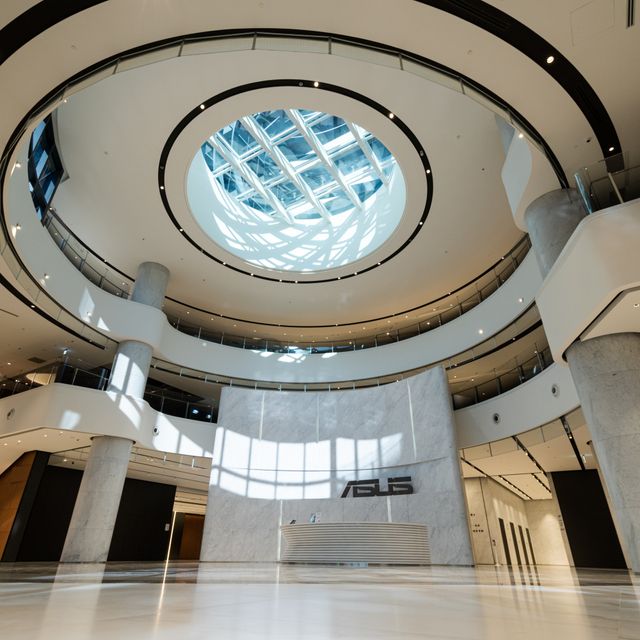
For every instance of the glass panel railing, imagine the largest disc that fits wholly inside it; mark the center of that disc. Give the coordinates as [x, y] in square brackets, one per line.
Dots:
[529, 368]
[468, 296]
[163, 400]
[607, 183]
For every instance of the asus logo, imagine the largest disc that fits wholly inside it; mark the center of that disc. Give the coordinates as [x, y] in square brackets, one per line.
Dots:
[370, 488]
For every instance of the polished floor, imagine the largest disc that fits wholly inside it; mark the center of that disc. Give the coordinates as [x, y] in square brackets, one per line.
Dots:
[236, 601]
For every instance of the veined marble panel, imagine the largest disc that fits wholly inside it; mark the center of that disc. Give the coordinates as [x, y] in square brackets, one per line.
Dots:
[281, 456]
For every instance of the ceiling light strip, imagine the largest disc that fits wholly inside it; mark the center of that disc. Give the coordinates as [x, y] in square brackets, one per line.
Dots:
[572, 440]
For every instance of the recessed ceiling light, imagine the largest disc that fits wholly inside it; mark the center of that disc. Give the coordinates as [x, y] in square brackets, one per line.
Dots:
[202, 106]
[636, 305]
[9, 363]
[17, 165]
[611, 148]
[162, 187]
[480, 331]
[550, 59]
[181, 230]
[421, 222]
[520, 300]
[46, 276]
[316, 84]
[391, 116]
[521, 135]
[428, 170]
[19, 441]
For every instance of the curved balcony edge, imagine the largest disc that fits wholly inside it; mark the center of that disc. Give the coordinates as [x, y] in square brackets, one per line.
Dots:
[544, 398]
[71, 408]
[602, 252]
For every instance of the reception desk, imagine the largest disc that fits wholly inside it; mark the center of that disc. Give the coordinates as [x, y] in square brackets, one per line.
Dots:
[348, 542]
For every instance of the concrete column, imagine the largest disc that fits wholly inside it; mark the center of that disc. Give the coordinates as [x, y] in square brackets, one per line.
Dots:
[550, 220]
[606, 373]
[94, 514]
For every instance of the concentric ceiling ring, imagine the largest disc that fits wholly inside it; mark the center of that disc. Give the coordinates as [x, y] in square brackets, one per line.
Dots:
[253, 272]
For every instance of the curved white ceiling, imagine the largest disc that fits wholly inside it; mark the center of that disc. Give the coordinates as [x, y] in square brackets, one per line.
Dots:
[273, 244]
[407, 24]
[111, 136]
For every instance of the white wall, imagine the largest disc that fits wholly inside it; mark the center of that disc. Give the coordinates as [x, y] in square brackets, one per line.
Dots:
[550, 542]
[284, 455]
[488, 501]
[498, 502]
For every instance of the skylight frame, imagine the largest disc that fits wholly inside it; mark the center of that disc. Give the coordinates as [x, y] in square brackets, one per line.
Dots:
[310, 206]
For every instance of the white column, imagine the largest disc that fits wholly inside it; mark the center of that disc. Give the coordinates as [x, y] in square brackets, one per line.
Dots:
[94, 514]
[606, 373]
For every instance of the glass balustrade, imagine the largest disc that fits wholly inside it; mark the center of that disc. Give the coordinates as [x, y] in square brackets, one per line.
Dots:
[607, 183]
[168, 402]
[435, 312]
[503, 382]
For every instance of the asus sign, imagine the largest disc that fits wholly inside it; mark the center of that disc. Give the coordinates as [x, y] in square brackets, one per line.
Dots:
[371, 488]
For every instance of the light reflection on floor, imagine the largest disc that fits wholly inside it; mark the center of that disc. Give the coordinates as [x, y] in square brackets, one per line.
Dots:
[218, 600]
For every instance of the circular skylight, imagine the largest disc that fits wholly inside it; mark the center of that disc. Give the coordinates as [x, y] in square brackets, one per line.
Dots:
[296, 190]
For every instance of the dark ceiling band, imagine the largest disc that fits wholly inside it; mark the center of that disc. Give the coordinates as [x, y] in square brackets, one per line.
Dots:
[483, 15]
[536, 48]
[198, 110]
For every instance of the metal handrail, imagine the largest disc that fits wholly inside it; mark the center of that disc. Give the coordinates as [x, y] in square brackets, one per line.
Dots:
[504, 382]
[60, 372]
[117, 283]
[602, 186]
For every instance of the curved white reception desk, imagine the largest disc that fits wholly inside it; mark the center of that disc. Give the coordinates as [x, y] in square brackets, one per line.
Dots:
[347, 542]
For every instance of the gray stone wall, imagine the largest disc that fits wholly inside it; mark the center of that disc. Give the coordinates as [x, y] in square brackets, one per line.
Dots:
[281, 456]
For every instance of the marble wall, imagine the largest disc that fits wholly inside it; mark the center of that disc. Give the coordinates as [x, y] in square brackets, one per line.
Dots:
[280, 456]
[488, 501]
[550, 542]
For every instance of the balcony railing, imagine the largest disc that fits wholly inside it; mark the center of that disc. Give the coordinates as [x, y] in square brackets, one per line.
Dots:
[169, 404]
[506, 381]
[435, 313]
[161, 400]
[606, 184]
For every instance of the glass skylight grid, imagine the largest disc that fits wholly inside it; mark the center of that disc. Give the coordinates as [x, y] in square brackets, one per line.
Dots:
[298, 164]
